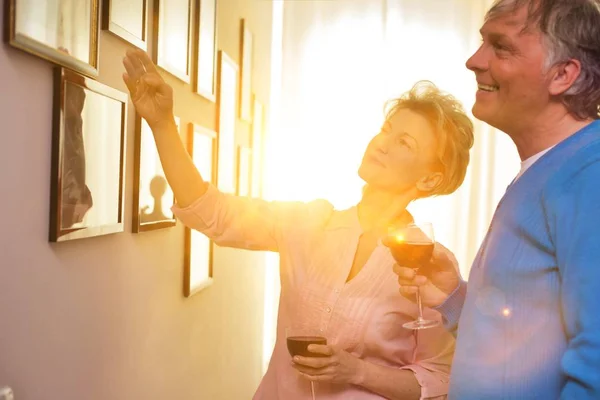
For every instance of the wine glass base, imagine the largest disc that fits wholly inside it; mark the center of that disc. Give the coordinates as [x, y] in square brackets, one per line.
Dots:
[422, 324]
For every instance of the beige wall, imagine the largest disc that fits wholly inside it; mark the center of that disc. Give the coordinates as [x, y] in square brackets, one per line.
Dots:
[104, 318]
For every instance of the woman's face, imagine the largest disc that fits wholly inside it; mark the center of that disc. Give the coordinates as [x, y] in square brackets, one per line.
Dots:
[402, 156]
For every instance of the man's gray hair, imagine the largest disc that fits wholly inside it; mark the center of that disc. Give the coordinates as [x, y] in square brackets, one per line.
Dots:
[571, 30]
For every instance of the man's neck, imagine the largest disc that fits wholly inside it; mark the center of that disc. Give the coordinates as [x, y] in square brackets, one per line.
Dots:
[378, 209]
[548, 130]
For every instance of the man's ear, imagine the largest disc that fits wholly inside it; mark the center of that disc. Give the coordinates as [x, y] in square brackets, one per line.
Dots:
[563, 76]
[430, 182]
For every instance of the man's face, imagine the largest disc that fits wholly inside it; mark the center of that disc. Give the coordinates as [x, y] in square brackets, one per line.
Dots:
[509, 68]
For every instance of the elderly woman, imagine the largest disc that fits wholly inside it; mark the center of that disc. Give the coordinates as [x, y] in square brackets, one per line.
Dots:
[335, 275]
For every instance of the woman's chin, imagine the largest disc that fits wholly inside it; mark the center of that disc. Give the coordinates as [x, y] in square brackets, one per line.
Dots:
[369, 173]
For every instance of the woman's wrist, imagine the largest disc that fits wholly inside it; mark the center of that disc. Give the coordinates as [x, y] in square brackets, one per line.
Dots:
[163, 124]
[360, 372]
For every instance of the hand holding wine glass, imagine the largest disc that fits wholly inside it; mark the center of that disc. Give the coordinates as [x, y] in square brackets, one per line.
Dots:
[412, 247]
[317, 361]
[435, 282]
[298, 340]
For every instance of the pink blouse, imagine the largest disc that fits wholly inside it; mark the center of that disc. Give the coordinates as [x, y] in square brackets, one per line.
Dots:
[363, 316]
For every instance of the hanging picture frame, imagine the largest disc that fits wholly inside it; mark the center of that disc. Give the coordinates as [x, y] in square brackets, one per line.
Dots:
[205, 82]
[152, 195]
[258, 152]
[88, 158]
[127, 19]
[244, 175]
[198, 259]
[64, 33]
[247, 43]
[226, 122]
[174, 36]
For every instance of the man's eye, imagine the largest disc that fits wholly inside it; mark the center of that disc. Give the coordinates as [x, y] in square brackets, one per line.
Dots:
[499, 46]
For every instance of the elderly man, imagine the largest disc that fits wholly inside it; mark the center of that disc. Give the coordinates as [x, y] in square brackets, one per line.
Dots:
[528, 322]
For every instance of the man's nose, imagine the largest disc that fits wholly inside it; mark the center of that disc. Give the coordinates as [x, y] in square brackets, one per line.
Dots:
[478, 61]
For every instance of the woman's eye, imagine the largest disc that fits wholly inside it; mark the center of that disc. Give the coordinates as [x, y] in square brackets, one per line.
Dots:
[401, 141]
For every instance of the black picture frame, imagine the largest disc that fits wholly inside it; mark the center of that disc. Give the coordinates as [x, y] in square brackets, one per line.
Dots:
[133, 34]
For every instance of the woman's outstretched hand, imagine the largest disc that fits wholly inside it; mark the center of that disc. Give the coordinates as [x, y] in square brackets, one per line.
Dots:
[151, 95]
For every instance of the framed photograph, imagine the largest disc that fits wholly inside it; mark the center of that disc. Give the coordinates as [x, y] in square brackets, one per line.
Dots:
[63, 32]
[246, 73]
[257, 147]
[127, 19]
[88, 158]
[244, 171]
[174, 37]
[152, 195]
[205, 83]
[226, 120]
[198, 248]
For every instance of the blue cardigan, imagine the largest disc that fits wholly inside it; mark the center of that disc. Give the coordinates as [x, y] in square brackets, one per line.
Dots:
[529, 324]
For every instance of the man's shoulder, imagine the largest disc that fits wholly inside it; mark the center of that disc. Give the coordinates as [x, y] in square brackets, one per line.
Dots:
[579, 169]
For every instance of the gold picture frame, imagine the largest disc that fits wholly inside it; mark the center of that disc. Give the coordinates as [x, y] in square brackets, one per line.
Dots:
[258, 146]
[227, 96]
[205, 39]
[174, 37]
[198, 255]
[246, 52]
[152, 195]
[244, 171]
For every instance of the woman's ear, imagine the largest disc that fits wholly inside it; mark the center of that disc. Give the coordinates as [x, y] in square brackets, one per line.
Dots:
[430, 182]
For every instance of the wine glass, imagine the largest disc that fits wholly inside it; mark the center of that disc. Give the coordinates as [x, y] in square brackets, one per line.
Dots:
[412, 247]
[298, 340]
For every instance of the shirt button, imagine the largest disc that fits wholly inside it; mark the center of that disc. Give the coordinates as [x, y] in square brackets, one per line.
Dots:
[328, 309]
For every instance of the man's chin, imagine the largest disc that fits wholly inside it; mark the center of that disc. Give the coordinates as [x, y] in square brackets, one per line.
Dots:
[481, 112]
[492, 119]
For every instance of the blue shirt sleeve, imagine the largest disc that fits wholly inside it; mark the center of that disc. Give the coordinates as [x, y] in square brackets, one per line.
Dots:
[452, 307]
[574, 222]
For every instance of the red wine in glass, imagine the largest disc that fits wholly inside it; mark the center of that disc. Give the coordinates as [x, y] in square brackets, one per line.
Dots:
[411, 254]
[298, 340]
[412, 246]
[298, 345]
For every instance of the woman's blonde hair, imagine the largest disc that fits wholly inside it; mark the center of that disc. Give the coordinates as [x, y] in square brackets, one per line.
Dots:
[451, 124]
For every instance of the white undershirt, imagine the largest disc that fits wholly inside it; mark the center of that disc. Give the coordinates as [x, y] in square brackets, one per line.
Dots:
[525, 164]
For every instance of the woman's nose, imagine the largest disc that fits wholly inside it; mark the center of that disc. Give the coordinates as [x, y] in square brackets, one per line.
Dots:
[383, 144]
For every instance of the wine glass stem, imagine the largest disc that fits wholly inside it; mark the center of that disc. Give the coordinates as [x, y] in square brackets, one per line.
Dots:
[420, 306]
[312, 390]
